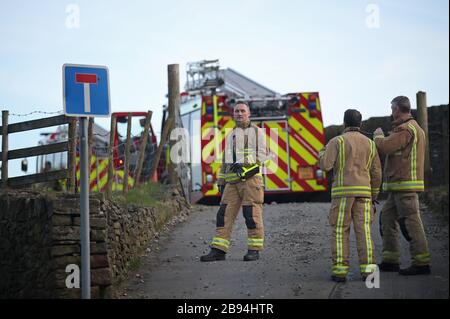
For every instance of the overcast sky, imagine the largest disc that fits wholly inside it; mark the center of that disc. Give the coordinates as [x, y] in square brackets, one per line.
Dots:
[355, 53]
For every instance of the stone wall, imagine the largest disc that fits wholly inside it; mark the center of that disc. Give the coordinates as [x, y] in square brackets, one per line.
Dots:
[40, 236]
[438, 137]
[25, 246]
[130, 230]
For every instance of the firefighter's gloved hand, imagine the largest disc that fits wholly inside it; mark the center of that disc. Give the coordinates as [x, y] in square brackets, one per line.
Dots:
[221, 188]
[378, 133]
[237, 168]
[374, 202]
[322, 152]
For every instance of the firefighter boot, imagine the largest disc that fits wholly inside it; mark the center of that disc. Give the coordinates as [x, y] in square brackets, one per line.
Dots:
[364, 276]
[251, 255]
[415, 270]
[389, 267]
[214, 254]
[338, 278]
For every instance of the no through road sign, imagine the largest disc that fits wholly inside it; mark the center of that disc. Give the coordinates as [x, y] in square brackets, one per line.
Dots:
[86, 90]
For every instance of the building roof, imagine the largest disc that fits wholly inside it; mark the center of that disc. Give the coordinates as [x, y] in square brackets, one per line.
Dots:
[242, 86]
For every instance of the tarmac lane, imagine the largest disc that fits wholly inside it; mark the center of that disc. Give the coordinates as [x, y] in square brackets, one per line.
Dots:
[295, 263]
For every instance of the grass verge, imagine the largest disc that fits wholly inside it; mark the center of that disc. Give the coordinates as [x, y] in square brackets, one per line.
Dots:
[150, 194]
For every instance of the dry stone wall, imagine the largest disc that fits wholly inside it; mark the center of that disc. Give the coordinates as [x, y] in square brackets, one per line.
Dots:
[40, 237]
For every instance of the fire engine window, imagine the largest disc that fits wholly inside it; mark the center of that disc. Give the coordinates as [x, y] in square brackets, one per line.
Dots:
[186, 122]
[195, 139]
[268, 108]
[51, 162]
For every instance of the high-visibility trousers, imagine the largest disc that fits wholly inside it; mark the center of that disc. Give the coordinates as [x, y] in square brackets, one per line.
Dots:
[250, 195]
[344, 210]
[401, 211]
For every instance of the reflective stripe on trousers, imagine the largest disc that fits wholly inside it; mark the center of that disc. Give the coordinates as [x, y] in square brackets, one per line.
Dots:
[220, 242]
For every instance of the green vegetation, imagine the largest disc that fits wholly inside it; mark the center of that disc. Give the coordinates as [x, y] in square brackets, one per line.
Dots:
[150, 194]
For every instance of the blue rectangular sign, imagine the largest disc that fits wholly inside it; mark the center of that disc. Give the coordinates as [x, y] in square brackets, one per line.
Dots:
[86, 90]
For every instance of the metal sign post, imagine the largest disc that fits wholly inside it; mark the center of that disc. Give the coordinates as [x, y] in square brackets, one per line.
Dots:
[85, 94]
[84, 211]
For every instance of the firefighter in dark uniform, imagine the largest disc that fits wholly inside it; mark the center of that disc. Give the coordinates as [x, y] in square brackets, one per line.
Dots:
[241, 184]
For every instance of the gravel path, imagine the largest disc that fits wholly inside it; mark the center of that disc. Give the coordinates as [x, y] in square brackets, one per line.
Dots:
[295, 263]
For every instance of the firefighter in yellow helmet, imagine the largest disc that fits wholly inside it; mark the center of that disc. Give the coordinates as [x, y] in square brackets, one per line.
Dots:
[241, 184]
[403, 179]
[357, 179]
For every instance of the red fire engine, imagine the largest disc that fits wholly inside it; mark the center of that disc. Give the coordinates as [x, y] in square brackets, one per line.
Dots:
[99, 159]
[296, 119]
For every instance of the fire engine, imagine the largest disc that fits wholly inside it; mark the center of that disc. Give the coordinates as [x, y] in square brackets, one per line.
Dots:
[296, 119]
[99, 159]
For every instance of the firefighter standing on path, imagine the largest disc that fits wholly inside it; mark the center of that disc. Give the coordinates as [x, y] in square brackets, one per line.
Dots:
[403, 174]
[357, 179]
[241, 184]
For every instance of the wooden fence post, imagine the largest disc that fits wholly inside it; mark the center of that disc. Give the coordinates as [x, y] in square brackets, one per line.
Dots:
[127, 156]
[111, 157]
[174, 105]
[143, 144]
[162, 142]
[5, 115]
